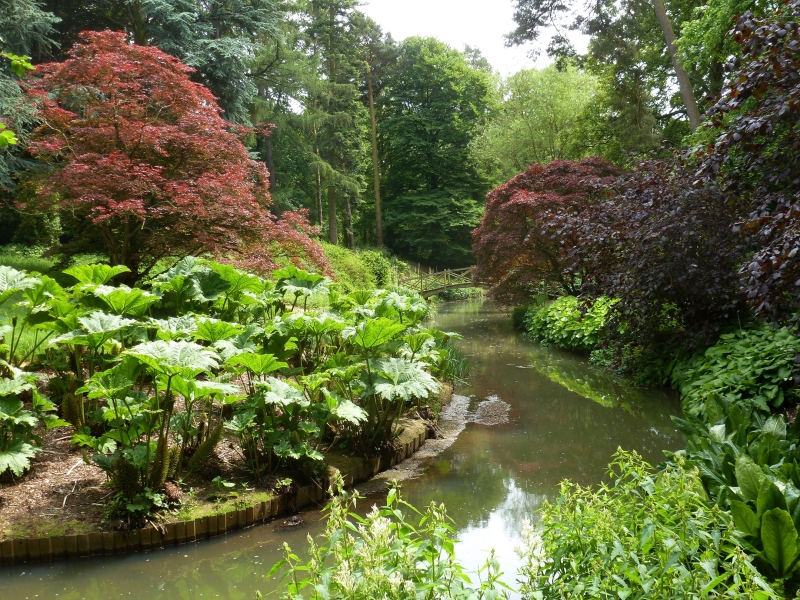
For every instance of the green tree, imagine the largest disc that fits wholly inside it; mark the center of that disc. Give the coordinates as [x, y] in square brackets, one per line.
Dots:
[219, 38]
[645, 96]
[537, 120]
[333, 109]
[433, 107]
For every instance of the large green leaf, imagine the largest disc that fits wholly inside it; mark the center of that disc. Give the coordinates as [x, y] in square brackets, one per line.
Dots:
[16, 456]
[10, 406]
[112, 383]
[96, 274]
[96, 329]
[174, 327]
[214, 330]
[260, 364]
[13, 281]
[17, 385]
[744, 518]
[280, 392]
[403, 379]
[174, 357]
[238, 281]
[769, 497]
[749, 477]
[123, 300]
[376, 332]
[779, 538]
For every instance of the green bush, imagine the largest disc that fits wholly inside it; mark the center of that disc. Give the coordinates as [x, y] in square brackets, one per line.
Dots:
[460, 294]
[569, 323]
[351, 272]
[646, 535]
[754, 366]
[379, 265]
[394, 552]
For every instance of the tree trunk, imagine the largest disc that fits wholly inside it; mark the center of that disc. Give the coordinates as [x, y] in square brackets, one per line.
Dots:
[376, 174]
[333, 225]
[348, 224]
[683, 77]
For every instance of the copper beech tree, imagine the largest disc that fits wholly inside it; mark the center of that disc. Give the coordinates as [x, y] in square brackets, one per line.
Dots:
[143, 166]
[529, 229]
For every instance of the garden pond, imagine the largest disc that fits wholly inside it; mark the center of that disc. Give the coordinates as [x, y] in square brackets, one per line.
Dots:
[533, 416]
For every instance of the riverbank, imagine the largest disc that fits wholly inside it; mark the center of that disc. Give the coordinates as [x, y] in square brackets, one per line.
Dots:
[77, 533]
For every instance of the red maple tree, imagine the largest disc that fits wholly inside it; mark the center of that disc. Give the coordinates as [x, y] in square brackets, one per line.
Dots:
[529, 227]
[144, 166]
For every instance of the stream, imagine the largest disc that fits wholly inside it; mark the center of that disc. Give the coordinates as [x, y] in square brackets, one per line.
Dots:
[534, 417]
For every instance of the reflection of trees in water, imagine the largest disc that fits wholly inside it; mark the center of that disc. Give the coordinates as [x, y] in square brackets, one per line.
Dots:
[223, 568]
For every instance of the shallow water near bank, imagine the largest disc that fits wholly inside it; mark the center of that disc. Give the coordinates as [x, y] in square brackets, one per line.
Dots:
[527, 418]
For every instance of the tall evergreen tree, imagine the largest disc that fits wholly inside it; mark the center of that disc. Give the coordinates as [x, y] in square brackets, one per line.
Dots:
[434, 103]
[219, 38]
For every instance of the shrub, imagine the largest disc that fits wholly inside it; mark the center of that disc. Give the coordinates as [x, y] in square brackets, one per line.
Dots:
[131, 168]
[644, 535]
[664, 247]
[350, 271]
[570, 323]
[379, 265]
[394, 552]
[753, 366]
[460, 294]
[527, 232]
[749, 147]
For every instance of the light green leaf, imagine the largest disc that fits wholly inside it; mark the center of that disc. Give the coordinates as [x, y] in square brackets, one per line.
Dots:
[779, 537]
[96, 274]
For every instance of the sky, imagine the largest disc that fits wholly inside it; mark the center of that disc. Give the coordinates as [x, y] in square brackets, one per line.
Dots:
[478, 23]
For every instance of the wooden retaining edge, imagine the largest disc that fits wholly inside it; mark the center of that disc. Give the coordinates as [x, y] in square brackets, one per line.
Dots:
[171, 534]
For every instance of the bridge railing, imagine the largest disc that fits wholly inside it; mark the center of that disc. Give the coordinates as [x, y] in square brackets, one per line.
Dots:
[439, 280]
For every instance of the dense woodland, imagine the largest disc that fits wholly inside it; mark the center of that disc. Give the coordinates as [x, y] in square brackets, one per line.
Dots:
[381, 142]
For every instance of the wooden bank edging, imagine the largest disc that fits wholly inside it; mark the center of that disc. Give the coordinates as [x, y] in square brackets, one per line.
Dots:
[171, 534]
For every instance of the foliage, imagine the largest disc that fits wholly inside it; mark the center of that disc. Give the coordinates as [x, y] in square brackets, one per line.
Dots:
[637, 104]
[663, 247]
[569, 323]
[18, 440]
[433, 190]
[152, 377]
[351, 272]
[653, 535]
[748, 465]
[385, 555]
[536, 121]
[460, 294]
[749, 148]
[754, 366]
[380, 266]
[133, 170]
[528, 231]
[25, 30]
[216, 39]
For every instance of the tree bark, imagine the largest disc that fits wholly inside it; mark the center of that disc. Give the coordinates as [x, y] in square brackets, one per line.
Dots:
[333, 225]
[348, 224]
[376, 174]
[684, 83]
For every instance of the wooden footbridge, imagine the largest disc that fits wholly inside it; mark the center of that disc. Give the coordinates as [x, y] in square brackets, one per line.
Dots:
[433, 282]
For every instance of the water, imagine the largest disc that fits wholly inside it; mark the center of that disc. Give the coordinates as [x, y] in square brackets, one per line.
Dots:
[565, 421]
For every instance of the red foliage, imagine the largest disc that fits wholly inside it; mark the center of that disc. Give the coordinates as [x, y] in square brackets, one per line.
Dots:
[144, 165]
[529, 228]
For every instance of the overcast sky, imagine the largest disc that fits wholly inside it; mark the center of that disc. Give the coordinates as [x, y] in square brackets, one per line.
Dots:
[479, 23]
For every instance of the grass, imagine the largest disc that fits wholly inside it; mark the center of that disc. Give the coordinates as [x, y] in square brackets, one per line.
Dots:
[47, 528]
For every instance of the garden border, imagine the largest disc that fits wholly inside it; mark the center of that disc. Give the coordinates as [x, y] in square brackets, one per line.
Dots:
[160, 536]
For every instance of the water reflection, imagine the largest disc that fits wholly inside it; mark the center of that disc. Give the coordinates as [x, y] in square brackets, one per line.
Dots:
[566, 420]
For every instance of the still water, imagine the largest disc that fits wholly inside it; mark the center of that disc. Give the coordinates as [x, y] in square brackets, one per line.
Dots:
[566, 419]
